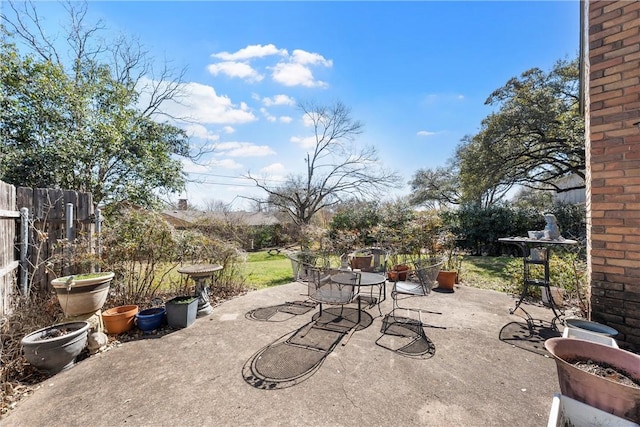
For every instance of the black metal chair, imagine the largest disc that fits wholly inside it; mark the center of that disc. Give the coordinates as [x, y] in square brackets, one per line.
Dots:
[419, 283]
[325, 291]
[410, 338]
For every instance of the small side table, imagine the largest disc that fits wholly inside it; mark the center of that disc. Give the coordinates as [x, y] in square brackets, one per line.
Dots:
[200, 273]
[537, 252]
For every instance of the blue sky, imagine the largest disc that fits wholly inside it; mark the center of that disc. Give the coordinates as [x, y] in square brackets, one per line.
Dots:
[416, 73]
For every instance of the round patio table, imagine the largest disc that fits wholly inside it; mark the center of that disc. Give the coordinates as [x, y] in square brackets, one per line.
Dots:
[366, 279]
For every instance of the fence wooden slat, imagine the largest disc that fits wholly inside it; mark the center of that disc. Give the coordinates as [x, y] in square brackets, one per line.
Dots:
[47, 216]
[8, 259]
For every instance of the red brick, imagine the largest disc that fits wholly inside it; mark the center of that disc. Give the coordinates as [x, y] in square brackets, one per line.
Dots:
[631, 6]
[615, 94]
[606, 80]
[607, 16]
[620, 35]
[622, 181]
[619, 51]
[622, 83]
[607, 237]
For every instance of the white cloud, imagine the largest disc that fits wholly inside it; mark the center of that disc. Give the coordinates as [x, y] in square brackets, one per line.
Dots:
[242, 149]
[198, 104]
[303, 57]
[235, 69]
[292, 74]
[199, 131]
[226, 164]
[278, 100]
[250, 52]
[274, 168]
[426, 133]
[228, 129]
[291, 70]
[190, 167]
[285, 119]
[210, 166]
[307, 120]
[307, 142]
[267, 115]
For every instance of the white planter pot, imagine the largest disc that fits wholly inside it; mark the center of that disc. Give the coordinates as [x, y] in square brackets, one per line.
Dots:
[566, 411]
[81, 296]
[581, 334]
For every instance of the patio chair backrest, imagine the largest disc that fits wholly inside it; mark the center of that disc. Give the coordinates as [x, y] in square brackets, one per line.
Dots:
[379, 258]
[427, 274]
[324, 290]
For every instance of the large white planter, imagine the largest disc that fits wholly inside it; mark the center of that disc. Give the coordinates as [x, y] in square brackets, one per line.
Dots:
[80, 294]
[582, 334]
[566, 411]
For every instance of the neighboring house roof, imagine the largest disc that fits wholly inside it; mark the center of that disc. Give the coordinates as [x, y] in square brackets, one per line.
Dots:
[189, 218]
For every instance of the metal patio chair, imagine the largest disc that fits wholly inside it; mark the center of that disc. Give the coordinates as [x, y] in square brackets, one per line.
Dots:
[323, 290]
[419, 284]
[404, 334]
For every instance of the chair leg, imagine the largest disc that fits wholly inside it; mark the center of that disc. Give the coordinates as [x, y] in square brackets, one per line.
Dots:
[346, 339]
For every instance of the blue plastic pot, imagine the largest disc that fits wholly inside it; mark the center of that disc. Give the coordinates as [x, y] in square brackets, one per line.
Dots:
[151, 318]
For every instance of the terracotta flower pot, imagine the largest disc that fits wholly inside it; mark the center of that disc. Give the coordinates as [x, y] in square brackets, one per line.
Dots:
[119, 319]
[603, 393]
[446, 279]
[402, 270]
[361, 262]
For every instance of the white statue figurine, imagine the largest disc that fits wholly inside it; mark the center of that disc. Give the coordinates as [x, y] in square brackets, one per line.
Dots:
[551, 230]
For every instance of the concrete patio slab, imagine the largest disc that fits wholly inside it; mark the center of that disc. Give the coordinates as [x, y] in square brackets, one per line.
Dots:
[194, 376]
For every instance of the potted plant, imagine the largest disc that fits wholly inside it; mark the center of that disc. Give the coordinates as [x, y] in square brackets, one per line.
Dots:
[151, 318]
[82, 293]
[181, 311]
[399, 272]
[599, 375]
[448, 275]
[119, 319]
[361, 261]
[566, 411]
[55, 348]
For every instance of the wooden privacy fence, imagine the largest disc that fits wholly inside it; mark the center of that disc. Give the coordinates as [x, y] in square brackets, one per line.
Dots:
[8, 260]
[35, 219]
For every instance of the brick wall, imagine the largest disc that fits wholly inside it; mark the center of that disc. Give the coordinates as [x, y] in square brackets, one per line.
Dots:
[612, 106]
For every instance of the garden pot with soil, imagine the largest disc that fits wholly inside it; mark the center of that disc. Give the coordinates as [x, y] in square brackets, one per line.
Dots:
[119, 319]
[566, 411]
[361, 262]
[446, 279]
[181, 311]
[54, 349]
[151, 318]
[82, 293]
[399, 272]
[601, 376]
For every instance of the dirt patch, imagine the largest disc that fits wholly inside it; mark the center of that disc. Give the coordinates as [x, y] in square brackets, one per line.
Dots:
[606, 371]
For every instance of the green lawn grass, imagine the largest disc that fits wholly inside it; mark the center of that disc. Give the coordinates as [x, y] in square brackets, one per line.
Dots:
[263, 270]
[485, 272]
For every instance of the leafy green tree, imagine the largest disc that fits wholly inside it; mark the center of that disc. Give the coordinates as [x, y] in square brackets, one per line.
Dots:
[535, 137]
[436, 187]
[537, 134]
[75, 122]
